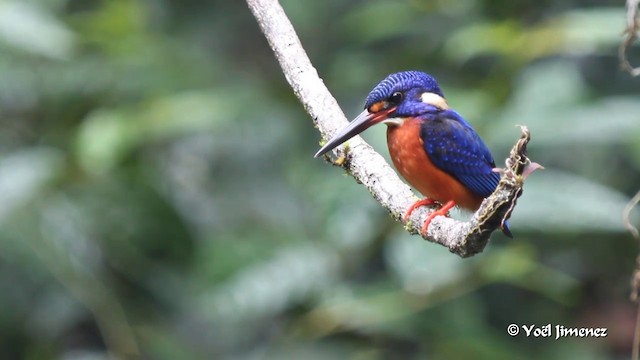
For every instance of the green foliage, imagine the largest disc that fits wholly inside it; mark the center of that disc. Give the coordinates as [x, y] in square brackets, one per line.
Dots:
[158, 193]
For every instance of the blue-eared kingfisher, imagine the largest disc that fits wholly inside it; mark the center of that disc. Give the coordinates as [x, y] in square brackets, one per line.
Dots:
[432, 146]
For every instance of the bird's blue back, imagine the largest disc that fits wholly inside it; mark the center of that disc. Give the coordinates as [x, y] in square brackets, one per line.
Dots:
[454, 147]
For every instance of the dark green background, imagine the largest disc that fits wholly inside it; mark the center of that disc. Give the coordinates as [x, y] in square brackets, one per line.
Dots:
[158, 190]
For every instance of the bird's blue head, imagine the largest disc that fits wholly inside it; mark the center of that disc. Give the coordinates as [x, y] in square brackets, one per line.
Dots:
[400, 95]
[403, 87]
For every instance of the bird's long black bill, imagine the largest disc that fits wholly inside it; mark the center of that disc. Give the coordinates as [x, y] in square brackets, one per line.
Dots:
[361, 123]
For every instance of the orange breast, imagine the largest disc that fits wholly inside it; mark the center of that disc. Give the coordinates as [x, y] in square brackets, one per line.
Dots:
[412, 162]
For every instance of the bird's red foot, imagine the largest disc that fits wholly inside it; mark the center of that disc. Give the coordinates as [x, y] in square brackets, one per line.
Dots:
[417, 204]
[444, 210]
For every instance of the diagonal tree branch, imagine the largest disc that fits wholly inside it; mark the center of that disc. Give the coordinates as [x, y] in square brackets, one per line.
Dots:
[368, 167]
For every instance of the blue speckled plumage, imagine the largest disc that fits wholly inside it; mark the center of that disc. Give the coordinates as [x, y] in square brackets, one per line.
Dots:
[453, 146]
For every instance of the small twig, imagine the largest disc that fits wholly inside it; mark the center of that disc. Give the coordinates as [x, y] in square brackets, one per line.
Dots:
[635, 277]
[368, 167]
[626, 215]
[630, 36]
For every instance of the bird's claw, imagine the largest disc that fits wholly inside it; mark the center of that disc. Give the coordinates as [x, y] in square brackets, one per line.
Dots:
[442, 211]
[417, 204]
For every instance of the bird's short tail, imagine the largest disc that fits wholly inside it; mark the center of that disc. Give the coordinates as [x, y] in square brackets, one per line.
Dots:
[506, 230]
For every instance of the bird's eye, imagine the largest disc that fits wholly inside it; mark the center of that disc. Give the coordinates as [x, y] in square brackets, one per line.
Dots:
[396, 98]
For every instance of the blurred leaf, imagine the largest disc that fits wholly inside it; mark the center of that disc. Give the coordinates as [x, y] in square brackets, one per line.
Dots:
[372, 307]
[363, 21]
[315, 351]
[267, 288]
[554, 201]
[107, 135]
[66, 241]
[423, 267]
[592, 29]
[104, 138]
[481, 38]
[517, 263]
[509, 263]
[581, 124]
[551, 100]
[546, 85]
[23, 174]
[578, 31]
[54, 312]
[117, 19]
[162, 343]
[28, 27]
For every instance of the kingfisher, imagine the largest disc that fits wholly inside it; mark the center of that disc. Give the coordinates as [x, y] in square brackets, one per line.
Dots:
[431, 145]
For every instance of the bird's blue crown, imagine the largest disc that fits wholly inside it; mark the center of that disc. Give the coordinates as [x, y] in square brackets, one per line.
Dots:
[402, 81]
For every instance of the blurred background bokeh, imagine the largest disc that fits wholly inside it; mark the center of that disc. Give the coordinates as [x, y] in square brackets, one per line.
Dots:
[158, 194]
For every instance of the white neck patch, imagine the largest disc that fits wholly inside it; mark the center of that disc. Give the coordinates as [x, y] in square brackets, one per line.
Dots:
[435, 100]
[393, 121]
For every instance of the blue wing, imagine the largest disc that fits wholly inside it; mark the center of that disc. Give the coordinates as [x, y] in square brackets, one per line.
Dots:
[454, 147]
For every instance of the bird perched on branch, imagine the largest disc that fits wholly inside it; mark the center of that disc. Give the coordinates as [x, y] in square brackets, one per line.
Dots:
[431, 145]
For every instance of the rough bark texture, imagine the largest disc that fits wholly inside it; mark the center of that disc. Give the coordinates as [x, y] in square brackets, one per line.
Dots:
[368, 167]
